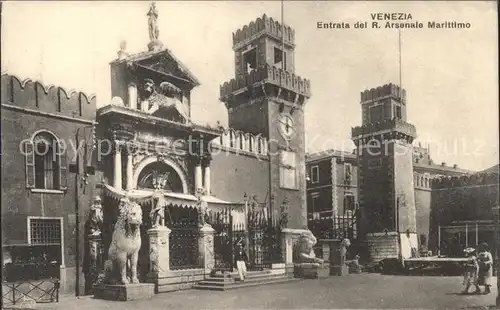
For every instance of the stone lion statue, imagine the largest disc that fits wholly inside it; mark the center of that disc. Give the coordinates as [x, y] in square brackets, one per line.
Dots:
[305, 249]
[125, 244]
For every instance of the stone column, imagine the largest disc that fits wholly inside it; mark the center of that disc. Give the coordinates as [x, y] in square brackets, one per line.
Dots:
[206, 248]
[159, 252]
[117, 180]
[198, 176]
[130, 171]
[132, 96]
[207, 180]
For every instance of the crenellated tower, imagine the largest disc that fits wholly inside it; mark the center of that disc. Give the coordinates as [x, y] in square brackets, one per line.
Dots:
[266, 98]
[385, 173]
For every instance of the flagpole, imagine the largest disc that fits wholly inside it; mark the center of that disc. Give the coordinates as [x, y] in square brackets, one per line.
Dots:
[282, 37]
[400, 70]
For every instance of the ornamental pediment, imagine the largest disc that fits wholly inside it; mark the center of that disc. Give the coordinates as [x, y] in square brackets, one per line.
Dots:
[165, 65]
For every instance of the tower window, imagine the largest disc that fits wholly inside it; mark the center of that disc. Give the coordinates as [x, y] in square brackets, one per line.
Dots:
[398, 112]
[278, 58]
[349, 202]
[376, 113]
[250, 60]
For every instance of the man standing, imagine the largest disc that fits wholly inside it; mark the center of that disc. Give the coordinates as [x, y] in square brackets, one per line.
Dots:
[240, 256]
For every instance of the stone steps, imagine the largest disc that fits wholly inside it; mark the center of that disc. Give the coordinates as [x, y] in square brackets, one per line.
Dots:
[219, 283]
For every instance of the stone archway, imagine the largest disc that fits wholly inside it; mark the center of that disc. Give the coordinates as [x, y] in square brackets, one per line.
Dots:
[143, 173]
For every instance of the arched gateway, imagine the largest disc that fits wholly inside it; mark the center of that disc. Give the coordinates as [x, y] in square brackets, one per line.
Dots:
[152, 168]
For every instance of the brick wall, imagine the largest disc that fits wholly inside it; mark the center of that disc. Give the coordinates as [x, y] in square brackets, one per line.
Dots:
[28, 107]
[233, 175]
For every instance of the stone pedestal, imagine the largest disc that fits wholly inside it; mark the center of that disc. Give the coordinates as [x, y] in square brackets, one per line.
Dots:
[206, 248]
[155, 46]
[159, 252]
[124, 292]
[340, 270]
[288, 236]
[312, 271]
[326, 251]
[94, 262]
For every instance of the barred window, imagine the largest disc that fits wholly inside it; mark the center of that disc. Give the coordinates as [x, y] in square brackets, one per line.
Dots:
[44, 230]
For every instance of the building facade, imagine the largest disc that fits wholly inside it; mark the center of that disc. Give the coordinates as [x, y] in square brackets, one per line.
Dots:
[144, 143]
[42, 196]
[333, 187]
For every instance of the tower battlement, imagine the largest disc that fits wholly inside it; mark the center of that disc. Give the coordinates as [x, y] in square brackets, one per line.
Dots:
[387, 90]
[478, 179]
[269, 74]
[263, 25]
[394, 124]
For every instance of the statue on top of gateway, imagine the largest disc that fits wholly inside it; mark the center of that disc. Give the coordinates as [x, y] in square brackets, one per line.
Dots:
[154, 32]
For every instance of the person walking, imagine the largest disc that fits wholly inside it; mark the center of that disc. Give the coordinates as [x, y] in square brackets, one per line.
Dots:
[485, 260]
[240, 256]
[471, 270]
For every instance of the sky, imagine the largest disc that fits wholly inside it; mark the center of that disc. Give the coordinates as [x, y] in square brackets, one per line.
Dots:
[451, 75]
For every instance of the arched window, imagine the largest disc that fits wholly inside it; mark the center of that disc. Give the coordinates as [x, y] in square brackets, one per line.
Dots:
[45, 162]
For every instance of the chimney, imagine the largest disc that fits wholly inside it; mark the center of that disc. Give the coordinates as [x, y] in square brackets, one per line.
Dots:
[443, 164]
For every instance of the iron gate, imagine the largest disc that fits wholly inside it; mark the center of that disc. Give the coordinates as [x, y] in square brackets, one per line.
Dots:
[262, 240]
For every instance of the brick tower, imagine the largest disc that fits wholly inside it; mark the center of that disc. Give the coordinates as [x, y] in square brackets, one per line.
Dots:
[267, 98]
[386, 191]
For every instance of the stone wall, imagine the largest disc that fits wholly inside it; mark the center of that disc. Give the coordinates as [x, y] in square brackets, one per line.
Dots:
[381, 246]
[466, 198]
[404, 195]
[297, 208]
[236, 171]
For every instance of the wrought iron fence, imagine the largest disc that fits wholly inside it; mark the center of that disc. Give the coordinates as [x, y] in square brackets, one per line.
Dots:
[264, 241]
[183, 239]
[222, 223]
[39, 291]
[262, 238]
[344, 227]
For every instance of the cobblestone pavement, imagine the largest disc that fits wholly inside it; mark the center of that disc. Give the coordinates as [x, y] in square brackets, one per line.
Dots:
[353, 291]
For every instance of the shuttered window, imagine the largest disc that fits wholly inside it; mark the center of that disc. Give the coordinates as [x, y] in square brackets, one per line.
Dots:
[45, 162]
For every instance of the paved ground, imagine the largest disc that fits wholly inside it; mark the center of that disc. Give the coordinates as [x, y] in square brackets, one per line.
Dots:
[353, 291]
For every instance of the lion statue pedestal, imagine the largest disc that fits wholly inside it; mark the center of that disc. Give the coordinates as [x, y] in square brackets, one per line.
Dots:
[306, 264]
[119, 281]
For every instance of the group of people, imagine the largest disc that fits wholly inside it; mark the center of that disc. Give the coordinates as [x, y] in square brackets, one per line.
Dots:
[478, 269]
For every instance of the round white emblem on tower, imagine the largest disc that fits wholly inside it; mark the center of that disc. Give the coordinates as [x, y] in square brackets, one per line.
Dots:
[286, 126]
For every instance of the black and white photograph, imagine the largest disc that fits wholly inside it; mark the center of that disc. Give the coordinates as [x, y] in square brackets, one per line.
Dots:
[250, 154]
